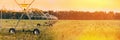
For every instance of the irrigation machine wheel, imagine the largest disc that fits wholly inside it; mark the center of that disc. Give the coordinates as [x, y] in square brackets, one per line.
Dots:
[36, 31]
[12, 31]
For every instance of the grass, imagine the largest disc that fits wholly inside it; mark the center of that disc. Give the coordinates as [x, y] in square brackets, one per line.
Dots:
[87, 30]
[66, 30]
[45, 33]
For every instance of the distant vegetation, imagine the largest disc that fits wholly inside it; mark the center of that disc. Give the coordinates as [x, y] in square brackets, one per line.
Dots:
[67, 15]
[80, 15]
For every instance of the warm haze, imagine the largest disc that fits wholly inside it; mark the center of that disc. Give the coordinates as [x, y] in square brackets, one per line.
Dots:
[77, 5]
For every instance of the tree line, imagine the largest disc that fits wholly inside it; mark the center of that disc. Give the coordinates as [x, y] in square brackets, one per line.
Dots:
[80, 15]
[68, 15]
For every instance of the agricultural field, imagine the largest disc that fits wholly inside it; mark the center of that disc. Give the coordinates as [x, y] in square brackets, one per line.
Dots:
[64, 30]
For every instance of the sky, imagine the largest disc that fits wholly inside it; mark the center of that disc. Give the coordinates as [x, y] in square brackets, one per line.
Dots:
[77, 5]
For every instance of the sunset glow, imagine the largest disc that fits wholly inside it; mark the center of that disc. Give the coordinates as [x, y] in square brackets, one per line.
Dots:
[82, 5]
[60, 20]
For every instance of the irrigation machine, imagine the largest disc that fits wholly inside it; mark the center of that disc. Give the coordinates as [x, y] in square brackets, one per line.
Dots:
[24, 5]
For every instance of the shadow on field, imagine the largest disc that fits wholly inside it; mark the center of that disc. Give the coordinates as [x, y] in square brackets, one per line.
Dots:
[45, 34]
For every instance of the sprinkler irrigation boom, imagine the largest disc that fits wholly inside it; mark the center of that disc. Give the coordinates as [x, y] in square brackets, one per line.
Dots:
[25, 6]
